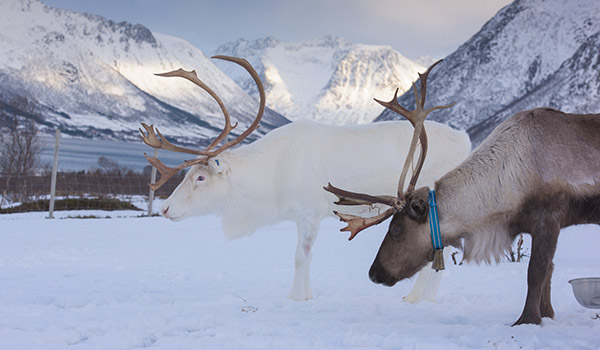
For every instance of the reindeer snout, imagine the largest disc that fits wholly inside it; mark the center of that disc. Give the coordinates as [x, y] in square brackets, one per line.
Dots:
[380, 276]
[171, 213]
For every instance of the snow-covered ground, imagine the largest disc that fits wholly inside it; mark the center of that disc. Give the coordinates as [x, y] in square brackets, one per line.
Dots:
[129, 282]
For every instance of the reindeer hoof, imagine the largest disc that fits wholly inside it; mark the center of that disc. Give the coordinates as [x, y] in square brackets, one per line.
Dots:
[528, 319]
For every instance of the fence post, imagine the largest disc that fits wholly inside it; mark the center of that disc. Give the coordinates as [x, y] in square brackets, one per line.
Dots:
[152, 180]
[53, 180]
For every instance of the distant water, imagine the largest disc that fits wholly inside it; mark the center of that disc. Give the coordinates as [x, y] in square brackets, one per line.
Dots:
[83, 154]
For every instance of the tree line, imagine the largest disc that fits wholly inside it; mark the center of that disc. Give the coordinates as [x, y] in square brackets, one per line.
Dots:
[24, 178]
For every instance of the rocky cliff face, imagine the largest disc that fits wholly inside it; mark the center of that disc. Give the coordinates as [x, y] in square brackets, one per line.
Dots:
[532, 53]
[95, 78]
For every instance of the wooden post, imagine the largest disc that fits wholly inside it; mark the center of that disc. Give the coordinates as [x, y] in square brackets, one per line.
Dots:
[152, 180]
[53, 180]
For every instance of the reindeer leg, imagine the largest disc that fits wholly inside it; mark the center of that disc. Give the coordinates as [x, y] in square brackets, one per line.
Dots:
[307, 234]
[539, 274]
[545, 303]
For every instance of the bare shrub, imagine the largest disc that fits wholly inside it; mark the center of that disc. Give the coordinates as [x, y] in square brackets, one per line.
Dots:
[517, 255]
[20, 148]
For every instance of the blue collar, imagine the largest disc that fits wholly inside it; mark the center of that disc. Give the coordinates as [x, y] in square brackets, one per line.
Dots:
[434, 223]
[436, 235]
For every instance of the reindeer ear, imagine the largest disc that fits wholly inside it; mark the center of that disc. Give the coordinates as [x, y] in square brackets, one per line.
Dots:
[218, 165]
[418, 210]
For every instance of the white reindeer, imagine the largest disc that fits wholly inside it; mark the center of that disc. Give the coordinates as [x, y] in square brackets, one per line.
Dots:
[280, 176]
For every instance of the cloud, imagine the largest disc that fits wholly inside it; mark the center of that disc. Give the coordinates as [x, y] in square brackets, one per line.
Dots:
[428, 26]
[414, 28]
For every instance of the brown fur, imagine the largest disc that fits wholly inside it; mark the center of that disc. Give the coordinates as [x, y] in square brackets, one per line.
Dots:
[538, 172]
[542, 216]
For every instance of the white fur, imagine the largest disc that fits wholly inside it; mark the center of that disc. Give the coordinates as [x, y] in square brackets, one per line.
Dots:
[281, 177]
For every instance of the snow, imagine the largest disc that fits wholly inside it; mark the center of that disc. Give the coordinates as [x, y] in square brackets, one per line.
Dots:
[307, 71]
[501, 69]
[135, 282]
[328, 79]
[101, 74]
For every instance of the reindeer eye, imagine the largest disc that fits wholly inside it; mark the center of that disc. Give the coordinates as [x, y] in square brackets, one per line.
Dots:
[200, 178]
[395, 231]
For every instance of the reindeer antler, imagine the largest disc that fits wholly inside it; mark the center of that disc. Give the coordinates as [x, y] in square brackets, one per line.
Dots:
[417, 119]
[193, 77]
[357, 223]
[161, 142]
[167, 172]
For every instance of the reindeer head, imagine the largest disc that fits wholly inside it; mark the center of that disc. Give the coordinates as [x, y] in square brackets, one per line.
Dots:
[200, 192]
[407, 246]
[206, 178]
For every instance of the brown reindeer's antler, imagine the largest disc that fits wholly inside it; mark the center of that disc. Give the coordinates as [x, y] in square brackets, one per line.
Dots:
[357, 223]
[161, 142]
[417, 119]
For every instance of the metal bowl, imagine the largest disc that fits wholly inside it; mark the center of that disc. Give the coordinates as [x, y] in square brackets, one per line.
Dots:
[587, 291]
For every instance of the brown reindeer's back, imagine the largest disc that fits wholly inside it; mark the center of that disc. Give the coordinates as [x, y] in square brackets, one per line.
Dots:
[526, 164]
[566, 147]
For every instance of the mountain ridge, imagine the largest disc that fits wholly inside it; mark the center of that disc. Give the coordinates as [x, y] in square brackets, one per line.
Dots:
[328, 79]
[499, 69]
[94, 77]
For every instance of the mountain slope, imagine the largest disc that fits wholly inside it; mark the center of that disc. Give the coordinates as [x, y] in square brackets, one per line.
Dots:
[506, 65]
[329, 79]
[94, 77]
[574, 88]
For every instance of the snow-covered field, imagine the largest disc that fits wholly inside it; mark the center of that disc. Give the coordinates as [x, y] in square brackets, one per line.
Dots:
[128, 282]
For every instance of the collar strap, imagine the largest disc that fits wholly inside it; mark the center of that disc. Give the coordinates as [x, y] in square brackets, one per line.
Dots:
[436, 235]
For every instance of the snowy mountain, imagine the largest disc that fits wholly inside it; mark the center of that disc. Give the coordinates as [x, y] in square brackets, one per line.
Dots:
[329, 79]
[93, 77]
[532, 53]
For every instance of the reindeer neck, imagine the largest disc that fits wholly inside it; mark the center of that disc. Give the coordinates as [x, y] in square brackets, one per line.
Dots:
[481, 191]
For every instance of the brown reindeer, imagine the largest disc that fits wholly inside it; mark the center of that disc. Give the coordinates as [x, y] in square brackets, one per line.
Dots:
[538, 171]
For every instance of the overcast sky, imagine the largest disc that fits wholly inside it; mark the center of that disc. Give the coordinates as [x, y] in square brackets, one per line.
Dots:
[413, 27]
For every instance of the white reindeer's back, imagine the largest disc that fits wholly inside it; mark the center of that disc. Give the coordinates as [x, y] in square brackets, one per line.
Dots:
[364, 158]
[281, 176]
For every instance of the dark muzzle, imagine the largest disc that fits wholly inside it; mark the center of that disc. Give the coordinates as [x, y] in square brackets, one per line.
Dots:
[378, 275]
